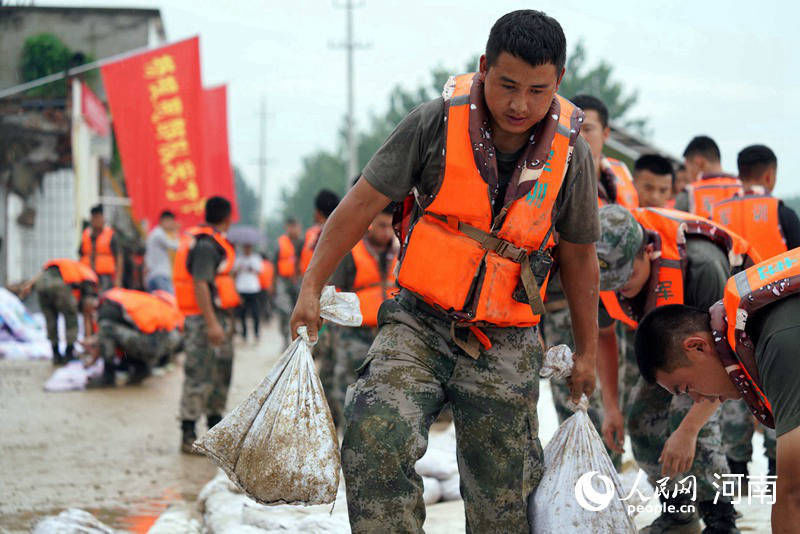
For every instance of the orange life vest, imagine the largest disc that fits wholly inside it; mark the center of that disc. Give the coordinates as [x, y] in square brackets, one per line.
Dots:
[626, 195]
[310, 243]
[104, 261]
[754, 217]
[710, 190]
[372, 288]
[267, 275]
[147, 312]
[669, 229]
[224, 294]
[287, 257]
[746, 292]
[74, 273]
[474, 282]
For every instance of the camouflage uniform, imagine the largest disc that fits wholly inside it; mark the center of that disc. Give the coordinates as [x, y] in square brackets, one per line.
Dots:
[324, 356]
[411, 370]
[653, 413]
[207, 369]
[352, 345]
[136, 345]
[737, 432]
[56, 297]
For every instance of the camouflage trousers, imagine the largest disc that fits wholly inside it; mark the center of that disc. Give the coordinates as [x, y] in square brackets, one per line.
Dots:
[557, 330]
[411, 370]
[324, 356]
[136, 345]
[55, 297]
[654, 415]
[738, 426]
[286, 291]
[352, 345]
[206, 369]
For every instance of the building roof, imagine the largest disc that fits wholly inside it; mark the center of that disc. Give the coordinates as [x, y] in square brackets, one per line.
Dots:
[153, 12]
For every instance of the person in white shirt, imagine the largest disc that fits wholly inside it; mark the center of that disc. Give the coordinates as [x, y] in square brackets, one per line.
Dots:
[246, 269]
[159, 252]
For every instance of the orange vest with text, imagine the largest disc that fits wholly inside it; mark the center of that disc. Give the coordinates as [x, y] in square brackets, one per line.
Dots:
[224, 293]
[372, 288]
[287, 257]
[745, 293]
[148, 312]
[74, 273]
[666, 284]
[267, 275]
[104, 261]
[754, 217]
[710, 190]
[312, 235]
[627, 196]
[455, 273]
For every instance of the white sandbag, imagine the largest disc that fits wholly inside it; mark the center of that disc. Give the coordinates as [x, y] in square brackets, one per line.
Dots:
[280, 444]
[451, 488]
[432, 490]
[73, 376]
[176, 518]
[580, 490]
[438, 463]
[72, 520]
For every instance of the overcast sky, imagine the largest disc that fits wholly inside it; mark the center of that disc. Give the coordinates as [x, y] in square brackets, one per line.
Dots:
[726, 69]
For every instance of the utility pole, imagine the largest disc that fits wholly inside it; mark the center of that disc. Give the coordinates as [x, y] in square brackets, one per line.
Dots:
[350, 46]
[262, 163]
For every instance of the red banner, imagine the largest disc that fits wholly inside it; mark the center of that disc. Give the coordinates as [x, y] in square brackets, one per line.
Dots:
[94, 112]
[155, 100]
[217, 172]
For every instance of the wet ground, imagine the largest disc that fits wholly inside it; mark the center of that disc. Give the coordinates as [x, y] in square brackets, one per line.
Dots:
[115, 452]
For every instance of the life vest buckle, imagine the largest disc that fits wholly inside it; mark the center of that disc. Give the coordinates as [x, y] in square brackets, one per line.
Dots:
[510, 252]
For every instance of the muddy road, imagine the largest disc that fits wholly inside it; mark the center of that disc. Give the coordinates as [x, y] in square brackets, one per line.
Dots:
[114, 452]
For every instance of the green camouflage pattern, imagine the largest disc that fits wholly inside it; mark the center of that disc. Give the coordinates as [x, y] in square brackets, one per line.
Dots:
[629, 369]
[412, 369]
[557, 330]
[620, 239]
[738, 426]
[146, 348]
[654, 414]
[323, 353]
[352, 345]
[55, 297]
[206, 369]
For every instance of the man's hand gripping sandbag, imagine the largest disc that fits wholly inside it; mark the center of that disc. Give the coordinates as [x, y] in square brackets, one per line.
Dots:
[280, 445]
[580, 489]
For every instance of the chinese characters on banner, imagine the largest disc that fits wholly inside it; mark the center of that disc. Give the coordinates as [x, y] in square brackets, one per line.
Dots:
[156, 102]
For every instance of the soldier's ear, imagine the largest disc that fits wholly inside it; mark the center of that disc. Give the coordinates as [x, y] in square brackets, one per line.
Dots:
[650, 250]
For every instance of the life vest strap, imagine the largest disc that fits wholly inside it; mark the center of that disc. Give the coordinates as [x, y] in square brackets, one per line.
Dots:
[504, 249]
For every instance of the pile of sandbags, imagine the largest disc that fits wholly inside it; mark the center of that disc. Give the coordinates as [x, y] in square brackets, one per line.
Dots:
[73, 376]
[22, 337]
[439, 468]
[176, 518]
[226, 510]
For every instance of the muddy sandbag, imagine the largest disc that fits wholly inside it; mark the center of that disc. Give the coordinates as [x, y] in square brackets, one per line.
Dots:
[72, 520]
[280, 445]
[176, 518]
[451, 488]
[580, 489]
[431, 490]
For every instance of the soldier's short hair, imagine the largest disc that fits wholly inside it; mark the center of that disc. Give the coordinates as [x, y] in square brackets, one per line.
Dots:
[530, 35]
[753, 160]
[703, 146]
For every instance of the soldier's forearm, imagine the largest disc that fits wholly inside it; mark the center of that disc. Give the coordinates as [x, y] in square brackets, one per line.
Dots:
[698, 415]
[203, 296]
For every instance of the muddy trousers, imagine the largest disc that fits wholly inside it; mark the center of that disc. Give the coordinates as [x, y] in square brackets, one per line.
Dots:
[207, 370]
[411, 370]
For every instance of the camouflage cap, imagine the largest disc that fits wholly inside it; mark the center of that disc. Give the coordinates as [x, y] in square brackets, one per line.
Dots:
[620, 239]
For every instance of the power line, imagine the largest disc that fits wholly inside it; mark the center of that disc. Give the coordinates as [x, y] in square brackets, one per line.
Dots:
[350, 46]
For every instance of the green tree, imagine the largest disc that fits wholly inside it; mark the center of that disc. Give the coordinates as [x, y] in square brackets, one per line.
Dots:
[597, 81]
[246, 199]
[45, 54]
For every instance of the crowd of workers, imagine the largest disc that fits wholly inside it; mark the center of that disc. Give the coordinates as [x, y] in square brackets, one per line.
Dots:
[512, 223]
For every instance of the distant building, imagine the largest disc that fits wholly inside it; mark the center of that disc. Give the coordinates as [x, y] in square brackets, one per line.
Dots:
[42, 203]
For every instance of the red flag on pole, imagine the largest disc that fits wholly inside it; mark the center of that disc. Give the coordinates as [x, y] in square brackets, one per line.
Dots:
[217, 172]
[155, 100]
